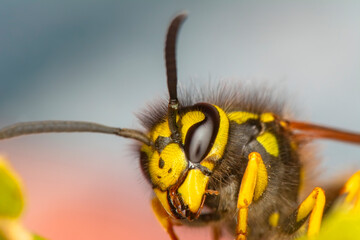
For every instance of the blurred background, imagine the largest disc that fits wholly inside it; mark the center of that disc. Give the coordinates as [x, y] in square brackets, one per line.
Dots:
[102, 61]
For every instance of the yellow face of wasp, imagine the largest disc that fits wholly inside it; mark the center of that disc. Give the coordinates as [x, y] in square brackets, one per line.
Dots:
[179, 171]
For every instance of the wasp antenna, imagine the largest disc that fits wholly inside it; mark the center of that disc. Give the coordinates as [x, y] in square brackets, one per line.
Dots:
[25, 128]
[170, 54]
[310, 130]
[170, 59]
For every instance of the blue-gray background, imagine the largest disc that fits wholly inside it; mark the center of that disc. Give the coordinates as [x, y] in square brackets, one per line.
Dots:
[101, 61]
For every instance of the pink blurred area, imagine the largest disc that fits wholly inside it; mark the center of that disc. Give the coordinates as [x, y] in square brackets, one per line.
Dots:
[75, 202]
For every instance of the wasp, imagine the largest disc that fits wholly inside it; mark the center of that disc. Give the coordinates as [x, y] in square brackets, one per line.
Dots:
[229, 159]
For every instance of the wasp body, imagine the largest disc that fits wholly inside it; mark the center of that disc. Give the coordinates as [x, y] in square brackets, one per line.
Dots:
[228, 159]
[239, 129]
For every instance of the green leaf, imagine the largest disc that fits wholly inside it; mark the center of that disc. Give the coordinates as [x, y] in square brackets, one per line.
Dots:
[339, 224]
[37, 237]
[11, 196]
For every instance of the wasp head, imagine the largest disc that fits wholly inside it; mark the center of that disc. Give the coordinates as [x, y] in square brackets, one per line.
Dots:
[186, 145]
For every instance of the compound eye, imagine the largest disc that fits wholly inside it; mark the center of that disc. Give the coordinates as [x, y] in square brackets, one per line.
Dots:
[201, 136]
[199, 140]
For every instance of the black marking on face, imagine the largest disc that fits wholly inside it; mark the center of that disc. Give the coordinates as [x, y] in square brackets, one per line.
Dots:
[161, 163]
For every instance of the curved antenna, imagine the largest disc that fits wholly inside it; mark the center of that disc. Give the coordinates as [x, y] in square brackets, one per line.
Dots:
[25, 128]
[170, 59]
[75, 126]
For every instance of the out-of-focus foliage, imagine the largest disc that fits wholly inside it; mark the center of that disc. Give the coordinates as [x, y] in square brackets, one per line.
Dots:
[12, 205]
[339, 224]
[11, 197]
[36, 237]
